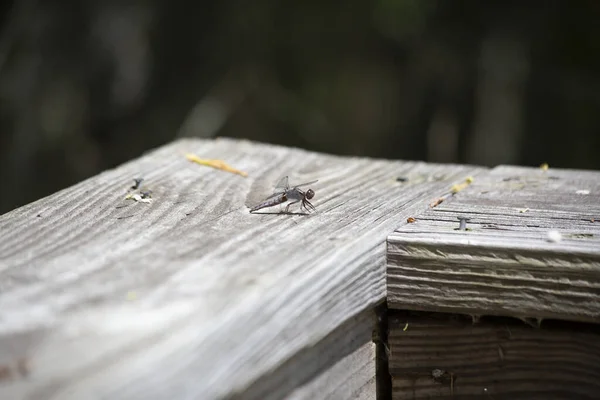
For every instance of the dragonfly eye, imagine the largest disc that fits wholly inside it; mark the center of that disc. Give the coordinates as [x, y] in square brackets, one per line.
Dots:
[310, 194]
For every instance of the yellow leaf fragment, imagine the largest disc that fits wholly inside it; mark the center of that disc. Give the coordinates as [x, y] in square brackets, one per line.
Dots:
[457, 188]
[218, 164]
[544, 167]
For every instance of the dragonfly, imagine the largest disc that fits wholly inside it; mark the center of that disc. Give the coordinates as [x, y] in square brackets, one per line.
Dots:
[284, 192]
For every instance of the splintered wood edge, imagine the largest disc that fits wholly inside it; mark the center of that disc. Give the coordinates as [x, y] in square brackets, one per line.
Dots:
[447, 357]
[483, 277]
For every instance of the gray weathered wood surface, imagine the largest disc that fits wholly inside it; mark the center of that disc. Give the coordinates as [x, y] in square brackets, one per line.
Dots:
[506, 263]
[350, 370]
[191, 296]
[491, 360]
[352, 377]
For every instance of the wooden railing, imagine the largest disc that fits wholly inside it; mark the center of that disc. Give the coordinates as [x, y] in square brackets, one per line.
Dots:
[175, 290]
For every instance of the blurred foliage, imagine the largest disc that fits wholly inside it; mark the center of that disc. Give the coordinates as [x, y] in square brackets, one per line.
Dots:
[402, 20]
[86, 85]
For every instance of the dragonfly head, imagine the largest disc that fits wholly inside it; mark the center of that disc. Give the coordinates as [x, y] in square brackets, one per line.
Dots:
[310, 194]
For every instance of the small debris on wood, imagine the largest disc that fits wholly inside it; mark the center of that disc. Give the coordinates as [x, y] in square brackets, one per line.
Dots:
[137, 193]
[493, 226]
[405, 327]
[544, 167]
[554, 236]
[583, 192]
[410, 220]
[143, 194]
[580, 236]
[140, 197]
[437, 202]
[523, 210]
[444, 377]
[401, 179]
[453, 190]
[437, 373]
[218, 164]
[136, 183]
[458, 187]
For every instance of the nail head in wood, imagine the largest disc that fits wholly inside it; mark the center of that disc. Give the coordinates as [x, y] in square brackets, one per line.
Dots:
[463, 223]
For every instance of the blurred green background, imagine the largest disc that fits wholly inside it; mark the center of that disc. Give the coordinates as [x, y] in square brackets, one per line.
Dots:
[87, 85]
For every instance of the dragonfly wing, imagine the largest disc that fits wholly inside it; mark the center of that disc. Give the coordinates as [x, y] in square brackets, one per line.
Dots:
[282, 185]
[306, 184]
[275, 194]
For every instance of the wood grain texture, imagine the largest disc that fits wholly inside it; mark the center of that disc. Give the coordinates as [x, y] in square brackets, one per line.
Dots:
[505, 263]
[191, 296]
[353, 377]
[340, 366]
[349, 358]
[491, 360]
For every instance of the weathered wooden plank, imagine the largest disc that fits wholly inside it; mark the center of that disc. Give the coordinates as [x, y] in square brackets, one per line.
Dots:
[506, 262]
[353, 377]
[446, 357]
[341, 365]
[350, 356]
[191, 296]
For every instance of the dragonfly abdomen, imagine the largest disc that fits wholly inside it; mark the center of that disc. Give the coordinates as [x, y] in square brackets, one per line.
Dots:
[270, 203]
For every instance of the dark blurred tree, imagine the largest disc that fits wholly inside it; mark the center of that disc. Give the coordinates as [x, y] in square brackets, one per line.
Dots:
[87, 85]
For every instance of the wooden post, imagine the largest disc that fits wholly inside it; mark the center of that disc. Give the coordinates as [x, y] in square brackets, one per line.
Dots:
[530, 251]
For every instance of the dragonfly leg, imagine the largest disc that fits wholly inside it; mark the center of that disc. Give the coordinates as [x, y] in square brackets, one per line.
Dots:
[307, 206]
[287, 209]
